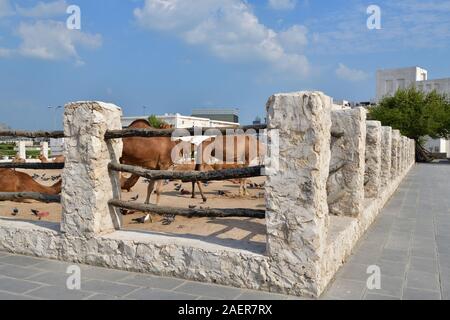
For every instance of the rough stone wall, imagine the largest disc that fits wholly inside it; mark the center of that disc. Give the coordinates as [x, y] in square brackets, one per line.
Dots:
[297, 216]
[345, 184]
[373, 160]
[87, 183]
[386, 155]
[395, 154]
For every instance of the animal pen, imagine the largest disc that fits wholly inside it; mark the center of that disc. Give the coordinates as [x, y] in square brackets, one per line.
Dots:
[329, 174]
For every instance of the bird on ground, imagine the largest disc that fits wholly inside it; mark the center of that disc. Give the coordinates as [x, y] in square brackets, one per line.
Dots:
[178, 187]
[143, 220]
[185, 192]
[168, 219]
[135, 198]
[126, 212]
[15, 212]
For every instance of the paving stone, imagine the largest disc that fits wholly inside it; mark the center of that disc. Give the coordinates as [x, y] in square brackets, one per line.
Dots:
[346, 290]
[395, 255]
[108, 287]
[58, 293]
[209, 290]
[153, 282]
[51, 265]
[158, 294]
[420, 294]
[390, 286]
[100, 296]
[374, 296]
[20, 260]
[424, 265]
[18, 272]
[256, 295]
[422, 280]
[3, 254]
[392, 269]
[17, 286]
[103, 274]
[13, 297]
[51, 278]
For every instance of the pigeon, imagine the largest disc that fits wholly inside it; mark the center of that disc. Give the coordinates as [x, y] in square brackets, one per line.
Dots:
[222, 193]
[135, 198]
[40, 214]
[143, 220]
[15, 212]
[185, 192]
[126, 212]
[178, 188]
[168, 219]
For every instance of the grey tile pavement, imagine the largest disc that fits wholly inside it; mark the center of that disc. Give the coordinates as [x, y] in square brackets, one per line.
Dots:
[410, 242]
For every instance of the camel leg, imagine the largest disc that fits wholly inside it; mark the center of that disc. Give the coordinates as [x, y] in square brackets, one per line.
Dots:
[159, 187]
[246, 193]
[193, 190]
[201, 191]
[150, 188]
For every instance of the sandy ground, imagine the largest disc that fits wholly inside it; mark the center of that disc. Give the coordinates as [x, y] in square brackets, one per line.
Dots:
[245, 229]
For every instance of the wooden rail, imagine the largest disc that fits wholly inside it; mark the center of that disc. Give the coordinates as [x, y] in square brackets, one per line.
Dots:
[33, 134]
[190, 213]
[20, 196]
[32, 166]
[153, 133]
[190, 176]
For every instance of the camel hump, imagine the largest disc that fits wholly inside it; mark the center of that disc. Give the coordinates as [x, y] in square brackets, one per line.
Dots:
[140, 124]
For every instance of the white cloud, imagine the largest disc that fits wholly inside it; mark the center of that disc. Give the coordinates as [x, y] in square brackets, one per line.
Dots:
[282, 4]
[5, 8]
[51, 40]
[227, 28]
[4, 53]
[345, 73]
[44, 9]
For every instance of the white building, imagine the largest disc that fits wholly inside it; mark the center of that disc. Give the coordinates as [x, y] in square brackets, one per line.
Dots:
[391, 80]
[179, 121]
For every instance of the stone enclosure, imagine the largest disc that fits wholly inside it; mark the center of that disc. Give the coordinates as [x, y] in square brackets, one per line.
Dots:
[334, 172]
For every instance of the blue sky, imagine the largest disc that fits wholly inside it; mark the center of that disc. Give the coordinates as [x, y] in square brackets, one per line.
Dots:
[174, 55]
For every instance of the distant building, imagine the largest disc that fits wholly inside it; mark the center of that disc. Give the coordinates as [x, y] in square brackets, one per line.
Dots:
[257, 121]
[219, 114]
[391, 80]
[179, 121]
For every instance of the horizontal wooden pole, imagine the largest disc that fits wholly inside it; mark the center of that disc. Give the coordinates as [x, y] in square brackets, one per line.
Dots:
[190, 176]
[32, 166]
[20, 196]
[33, 134]
[209, 213]
[153, 133]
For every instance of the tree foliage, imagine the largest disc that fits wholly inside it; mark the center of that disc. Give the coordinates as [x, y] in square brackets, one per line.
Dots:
[155, 122]
[415, 113]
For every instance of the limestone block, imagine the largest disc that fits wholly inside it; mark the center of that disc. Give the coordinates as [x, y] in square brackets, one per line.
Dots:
[373, 159]
[44, 149]
[345, 184]
[87, 183]
[386, 155]
[297, 210]
[395, 154]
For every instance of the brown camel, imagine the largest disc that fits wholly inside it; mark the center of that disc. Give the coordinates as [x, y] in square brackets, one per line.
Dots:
[15, 181]
[246, 149]
[58, 159]
[151, 153]
[18, 159]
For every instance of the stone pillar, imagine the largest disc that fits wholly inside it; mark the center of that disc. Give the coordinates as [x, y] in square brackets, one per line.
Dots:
[88, 185]
[373, 159]
[297, 210]
[386, 155]
[395, 155]
[345, 184]
[22, 150]
[44, 149]
[403, 153]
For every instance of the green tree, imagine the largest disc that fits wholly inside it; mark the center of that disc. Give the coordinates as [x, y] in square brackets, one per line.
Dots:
[155, 122]
[416, 114]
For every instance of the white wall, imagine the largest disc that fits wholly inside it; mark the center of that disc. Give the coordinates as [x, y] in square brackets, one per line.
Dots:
[389, 81]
